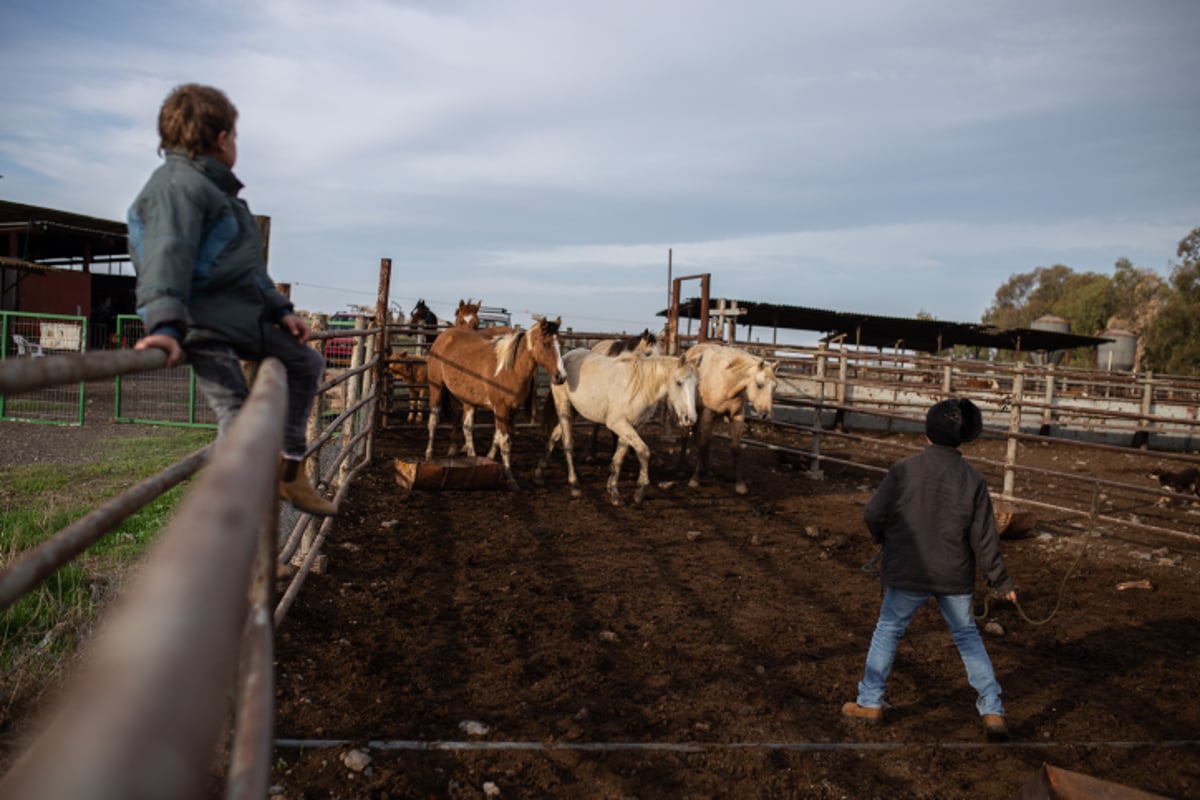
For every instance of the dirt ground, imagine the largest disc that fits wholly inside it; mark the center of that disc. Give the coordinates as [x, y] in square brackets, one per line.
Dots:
[531, 645]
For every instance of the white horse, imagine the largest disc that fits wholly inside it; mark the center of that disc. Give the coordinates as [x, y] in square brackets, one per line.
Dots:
[729, 377]
[622, 393]
[644, 344]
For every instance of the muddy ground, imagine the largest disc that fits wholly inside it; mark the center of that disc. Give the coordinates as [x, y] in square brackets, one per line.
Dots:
[701, 645]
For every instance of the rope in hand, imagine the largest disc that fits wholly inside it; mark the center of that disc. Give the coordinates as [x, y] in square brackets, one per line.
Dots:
[871, 569]
[987, 601]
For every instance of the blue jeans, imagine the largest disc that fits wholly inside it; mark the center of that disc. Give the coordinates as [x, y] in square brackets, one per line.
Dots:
[896, 613]
[219, 376]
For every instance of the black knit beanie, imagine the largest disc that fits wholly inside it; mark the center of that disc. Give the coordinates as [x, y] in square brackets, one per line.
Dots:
[953, 422]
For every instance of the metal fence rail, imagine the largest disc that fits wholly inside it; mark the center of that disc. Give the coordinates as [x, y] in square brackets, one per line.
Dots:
[1013, 482]
[143, 715]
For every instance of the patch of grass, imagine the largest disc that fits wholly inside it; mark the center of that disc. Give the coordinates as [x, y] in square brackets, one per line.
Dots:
[43, 628]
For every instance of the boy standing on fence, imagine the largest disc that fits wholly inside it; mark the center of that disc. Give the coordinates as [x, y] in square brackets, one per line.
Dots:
[933, 516]
[202, 283]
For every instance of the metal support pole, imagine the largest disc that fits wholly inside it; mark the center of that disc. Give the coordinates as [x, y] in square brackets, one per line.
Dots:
[383, 343]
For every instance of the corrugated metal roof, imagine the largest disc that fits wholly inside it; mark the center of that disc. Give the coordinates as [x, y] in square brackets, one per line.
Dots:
[906, 333]
[50, 236]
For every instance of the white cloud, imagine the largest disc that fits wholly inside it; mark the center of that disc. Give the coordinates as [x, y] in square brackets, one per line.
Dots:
[896, 156]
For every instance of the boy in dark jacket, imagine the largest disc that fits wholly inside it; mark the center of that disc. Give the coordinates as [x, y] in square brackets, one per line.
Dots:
[202, 282]
[933, 516]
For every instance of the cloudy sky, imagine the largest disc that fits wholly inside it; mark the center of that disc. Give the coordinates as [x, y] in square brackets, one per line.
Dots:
[881, 156]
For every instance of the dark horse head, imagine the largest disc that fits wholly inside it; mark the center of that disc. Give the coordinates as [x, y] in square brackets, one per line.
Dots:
[421, 316]
[424, 319]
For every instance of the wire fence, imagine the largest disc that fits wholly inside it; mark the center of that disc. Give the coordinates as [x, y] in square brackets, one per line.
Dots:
[34, 337]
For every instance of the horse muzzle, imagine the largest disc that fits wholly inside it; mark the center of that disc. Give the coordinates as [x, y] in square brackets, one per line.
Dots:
[559, 379]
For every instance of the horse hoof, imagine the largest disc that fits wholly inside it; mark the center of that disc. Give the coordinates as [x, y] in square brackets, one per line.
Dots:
[694, 484]
[616, 500]
[576, 492]
[741, 489]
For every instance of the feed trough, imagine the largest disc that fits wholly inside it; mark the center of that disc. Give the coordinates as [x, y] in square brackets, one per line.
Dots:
[457, 472]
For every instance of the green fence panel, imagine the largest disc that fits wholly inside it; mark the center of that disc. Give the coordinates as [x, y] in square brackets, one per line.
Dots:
[158, 396]
[24, 335]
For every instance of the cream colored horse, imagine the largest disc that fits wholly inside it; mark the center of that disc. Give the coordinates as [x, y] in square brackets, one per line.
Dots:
[729, 377]
[622, 393]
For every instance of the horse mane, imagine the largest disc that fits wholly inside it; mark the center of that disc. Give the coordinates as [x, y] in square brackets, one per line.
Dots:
[643, 371]
[505, 348]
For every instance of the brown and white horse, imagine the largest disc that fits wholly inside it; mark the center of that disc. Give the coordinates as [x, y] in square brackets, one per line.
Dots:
[622, 393]
[644, 344]
[729, 378]
[482, 372]
[467, 315]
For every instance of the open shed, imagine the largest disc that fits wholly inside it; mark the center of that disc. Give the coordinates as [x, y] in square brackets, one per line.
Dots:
[58, 262]
[869, 330]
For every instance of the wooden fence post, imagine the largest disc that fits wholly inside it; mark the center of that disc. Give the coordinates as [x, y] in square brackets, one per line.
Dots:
[1014, 427]
[814, 459]
[1141, 439]
[1048, 399]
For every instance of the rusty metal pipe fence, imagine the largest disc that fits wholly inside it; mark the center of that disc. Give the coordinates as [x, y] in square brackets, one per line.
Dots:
[142, 716]
[877, 394]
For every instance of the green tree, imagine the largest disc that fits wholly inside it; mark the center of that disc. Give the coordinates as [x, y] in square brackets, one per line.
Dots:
[1138, 295]
[1027, 296]
[1173, 337]
[1086, 301]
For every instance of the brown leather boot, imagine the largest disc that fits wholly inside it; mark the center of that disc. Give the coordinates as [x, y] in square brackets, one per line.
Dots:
[995, 727]
[295, 488]
[854, 711]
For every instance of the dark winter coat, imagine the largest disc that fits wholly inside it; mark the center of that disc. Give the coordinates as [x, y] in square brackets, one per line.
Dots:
[933, 516]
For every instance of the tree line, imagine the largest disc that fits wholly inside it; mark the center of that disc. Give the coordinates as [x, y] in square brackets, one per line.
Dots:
[1164, 315]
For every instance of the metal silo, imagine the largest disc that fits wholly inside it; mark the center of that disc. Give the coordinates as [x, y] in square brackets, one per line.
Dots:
[1120, 353]
[1049, 322]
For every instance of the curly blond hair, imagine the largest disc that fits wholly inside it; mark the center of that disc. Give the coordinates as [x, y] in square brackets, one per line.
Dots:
[191, 118]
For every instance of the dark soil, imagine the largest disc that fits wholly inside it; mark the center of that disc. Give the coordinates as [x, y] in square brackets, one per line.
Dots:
[716, 636]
